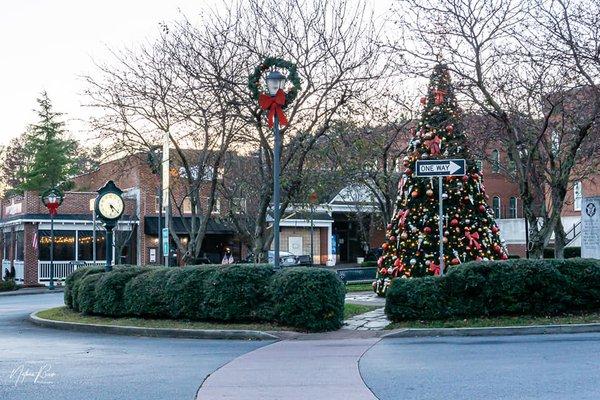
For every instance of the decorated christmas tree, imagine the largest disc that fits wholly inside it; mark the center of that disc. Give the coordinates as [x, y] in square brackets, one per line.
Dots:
[470, 233]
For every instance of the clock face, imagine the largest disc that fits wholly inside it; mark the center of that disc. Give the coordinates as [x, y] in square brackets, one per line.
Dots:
[110, 206]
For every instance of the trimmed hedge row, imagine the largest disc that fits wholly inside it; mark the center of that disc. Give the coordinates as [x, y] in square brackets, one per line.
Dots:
[512, 287]
[310, 299]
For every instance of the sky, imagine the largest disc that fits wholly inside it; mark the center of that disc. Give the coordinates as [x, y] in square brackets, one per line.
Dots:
[49, 44]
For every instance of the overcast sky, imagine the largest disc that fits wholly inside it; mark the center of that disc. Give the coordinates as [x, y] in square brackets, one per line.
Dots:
[49, 44]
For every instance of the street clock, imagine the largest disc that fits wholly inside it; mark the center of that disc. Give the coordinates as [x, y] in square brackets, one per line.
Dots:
[109, 207]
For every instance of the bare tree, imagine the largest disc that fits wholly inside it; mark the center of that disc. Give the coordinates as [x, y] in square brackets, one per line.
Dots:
[518, 62]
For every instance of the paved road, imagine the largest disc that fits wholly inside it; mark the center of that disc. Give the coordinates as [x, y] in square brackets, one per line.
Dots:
[89, 366]
[552, 367]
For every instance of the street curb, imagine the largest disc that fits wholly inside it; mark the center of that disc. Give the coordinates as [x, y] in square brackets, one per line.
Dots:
[495, 331]
[154, 332]
[23, 292]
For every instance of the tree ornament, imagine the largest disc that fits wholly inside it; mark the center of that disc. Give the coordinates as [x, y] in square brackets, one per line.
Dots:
[429, 192]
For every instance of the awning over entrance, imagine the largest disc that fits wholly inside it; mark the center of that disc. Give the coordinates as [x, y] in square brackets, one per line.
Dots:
[215, 227]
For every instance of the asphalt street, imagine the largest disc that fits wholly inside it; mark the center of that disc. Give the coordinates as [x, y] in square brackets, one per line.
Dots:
[548, 367]
[38, 363]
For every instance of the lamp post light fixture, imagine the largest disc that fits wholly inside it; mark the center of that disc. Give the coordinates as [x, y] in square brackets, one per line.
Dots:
[275, 82]
[52, 199]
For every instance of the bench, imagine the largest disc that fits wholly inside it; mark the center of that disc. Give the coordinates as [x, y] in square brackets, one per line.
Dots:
[357, 275]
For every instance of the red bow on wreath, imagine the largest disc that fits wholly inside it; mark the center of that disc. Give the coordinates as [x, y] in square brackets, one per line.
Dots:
[434, 145]
[273, 104]
[472, 238]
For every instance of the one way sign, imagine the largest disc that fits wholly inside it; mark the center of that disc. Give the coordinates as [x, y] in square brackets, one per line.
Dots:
[426, 168]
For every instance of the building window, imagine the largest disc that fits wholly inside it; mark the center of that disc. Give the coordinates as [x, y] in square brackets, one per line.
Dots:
[479, 165]
[186, 206]
[577, 193]
[217, 208]
[64, 245]
[495, 161]
[85, 248]
[19, 245]
[496, 207]
[512, 207]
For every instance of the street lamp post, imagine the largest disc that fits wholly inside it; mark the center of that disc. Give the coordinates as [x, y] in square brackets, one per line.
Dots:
[276, 81]
[312, 199]
[52, 199]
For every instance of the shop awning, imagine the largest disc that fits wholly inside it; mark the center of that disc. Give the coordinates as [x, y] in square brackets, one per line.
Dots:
[215, 227]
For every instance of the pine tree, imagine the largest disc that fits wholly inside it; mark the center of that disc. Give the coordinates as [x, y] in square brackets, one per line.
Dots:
[411, 248]
[53, 157]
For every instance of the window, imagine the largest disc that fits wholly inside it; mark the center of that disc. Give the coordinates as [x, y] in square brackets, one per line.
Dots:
[19, 245]
[85, 241]
[495, 161]
[479, 165]
[217, 208]
[496, 207]
[512, 208]
[186, 206]
[577, 193]
[64, 245]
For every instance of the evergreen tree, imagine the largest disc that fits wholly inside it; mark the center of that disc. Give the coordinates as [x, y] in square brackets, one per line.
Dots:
[53, 157]
[470, 232]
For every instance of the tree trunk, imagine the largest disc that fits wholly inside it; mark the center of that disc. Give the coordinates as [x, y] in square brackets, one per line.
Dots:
[559, 240]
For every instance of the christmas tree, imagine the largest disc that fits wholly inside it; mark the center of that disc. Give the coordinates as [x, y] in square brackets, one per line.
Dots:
[411, 248]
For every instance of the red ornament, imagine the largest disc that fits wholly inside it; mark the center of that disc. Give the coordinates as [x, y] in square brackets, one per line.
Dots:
[450, 128]
[433, 145]
[433, 267]
[273, 104]
[408, 171]
[439, 96]
[383, 271]
[504, 256]
[427, 230]
[385, 246]
[454, 222]
[482, 208]
[389, 226]
[415, 193]
[495, 229]
[455, 261]
[392, 238]
[398, 262]
[465, 178]
[497, 248]
[423, 100]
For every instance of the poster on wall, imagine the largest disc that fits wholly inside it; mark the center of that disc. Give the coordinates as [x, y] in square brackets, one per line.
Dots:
[590, 227]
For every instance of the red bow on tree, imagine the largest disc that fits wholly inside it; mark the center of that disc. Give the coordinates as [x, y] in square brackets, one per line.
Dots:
[273, 104]
[402, 215]
[433, 267]
[439, 96]
[434, 145]
[472, 238]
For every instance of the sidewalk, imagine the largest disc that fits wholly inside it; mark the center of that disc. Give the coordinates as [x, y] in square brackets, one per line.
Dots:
[34, 290]
[293, 370]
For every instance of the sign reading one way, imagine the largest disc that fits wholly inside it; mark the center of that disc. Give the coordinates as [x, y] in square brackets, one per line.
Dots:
[454, 167]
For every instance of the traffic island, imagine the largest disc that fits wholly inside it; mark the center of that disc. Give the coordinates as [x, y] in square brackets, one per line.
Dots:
[64, 318]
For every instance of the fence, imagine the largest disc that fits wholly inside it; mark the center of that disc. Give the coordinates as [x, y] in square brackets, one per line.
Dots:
[62, 269]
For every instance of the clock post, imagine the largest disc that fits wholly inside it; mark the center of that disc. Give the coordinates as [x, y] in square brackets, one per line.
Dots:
[109, 208]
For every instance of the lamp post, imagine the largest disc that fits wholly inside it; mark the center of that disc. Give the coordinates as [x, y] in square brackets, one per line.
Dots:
[275, 81]
[312, 199]
[52, 199]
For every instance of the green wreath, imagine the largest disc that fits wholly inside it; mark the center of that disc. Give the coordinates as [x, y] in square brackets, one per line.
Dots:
[269, 62]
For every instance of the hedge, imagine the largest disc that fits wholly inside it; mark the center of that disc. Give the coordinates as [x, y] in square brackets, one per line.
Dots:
[493, 288]
[7, 286]
[310, 299]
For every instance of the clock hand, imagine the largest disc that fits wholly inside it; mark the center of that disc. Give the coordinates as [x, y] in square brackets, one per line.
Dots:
[113, 207]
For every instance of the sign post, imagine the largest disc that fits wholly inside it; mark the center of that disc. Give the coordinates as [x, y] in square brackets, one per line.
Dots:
[590, 227]
[165, 242]
[440, 168]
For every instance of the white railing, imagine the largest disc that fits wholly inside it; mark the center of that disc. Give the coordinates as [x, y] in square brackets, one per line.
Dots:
[62, 269]
[19, 271]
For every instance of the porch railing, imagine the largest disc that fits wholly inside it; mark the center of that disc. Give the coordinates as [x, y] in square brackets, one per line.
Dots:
[6, 265]
[62, 269]
[19, 270]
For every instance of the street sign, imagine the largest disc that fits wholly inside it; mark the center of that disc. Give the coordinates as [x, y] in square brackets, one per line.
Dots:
[427, 168]
[165, 240]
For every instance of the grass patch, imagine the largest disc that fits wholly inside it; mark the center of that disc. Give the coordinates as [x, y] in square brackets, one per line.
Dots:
[359, 287]
[566, 319]
[350, 310]
[67, 315]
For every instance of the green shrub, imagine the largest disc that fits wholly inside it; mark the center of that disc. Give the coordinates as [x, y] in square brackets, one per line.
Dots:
[311, 299]
[110, 288]
[7, 286]
[145, 294]
[84, 293]
[512, 287]
[77, 275]
[368, 264]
